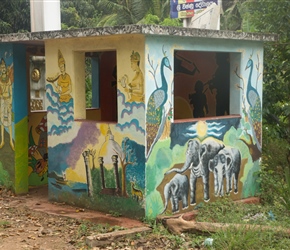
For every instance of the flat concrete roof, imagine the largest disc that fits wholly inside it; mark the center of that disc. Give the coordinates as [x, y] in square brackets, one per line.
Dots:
[154, 30]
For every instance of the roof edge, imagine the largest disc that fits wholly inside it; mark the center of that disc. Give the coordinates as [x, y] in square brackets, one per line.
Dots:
[138, 29]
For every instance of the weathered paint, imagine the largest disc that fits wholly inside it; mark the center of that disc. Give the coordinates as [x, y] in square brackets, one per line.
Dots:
[37, 149]
[101, 164]
[20, 117]
[170, 153]
[80, 150]
[12, 115]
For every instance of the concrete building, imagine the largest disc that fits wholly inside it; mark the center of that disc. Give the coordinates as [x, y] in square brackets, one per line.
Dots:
[174, 118]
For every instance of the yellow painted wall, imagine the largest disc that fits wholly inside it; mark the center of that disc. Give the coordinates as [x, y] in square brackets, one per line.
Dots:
[72, 135]
[73, 50]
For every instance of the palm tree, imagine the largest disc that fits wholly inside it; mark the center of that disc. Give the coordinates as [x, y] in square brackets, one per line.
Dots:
[158, 11]
[235, 16]
[160, 8]
[121, 12]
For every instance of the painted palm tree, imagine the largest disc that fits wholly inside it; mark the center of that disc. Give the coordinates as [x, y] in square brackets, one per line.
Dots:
[156, 115]
[255, 110]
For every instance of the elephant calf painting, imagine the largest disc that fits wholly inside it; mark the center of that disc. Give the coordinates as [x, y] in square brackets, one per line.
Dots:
[176, 190]
[226, 164]
[198, 156]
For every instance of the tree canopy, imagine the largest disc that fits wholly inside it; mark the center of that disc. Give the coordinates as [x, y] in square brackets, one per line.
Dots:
[79, 14]
[272, 17]
[14, 16]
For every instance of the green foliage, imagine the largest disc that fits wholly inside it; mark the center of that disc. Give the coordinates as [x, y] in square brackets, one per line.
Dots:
[232, 18]
[118, 206]
[276, 70]
[274, 177]
[196, 241]
[114, 213]
[176, 240]
[14, 16]
[136, 12]
[88, 80]
[220, 211]
[4, 224]
[225, 210]
[151, 19]
[83, 230]
[171, 22]
[79, 14]
[122, 12]
[4, 178]
[244, 238]
[160, 8]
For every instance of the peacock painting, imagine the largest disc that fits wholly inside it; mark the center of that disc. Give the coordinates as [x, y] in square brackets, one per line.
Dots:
[156, 115]
[255, 110]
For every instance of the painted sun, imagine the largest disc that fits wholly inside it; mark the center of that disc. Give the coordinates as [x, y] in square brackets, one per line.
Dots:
[201, 129]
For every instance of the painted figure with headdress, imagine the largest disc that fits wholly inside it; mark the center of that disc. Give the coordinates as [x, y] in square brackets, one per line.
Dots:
[135, 88]
[5, 102]
[64, 85]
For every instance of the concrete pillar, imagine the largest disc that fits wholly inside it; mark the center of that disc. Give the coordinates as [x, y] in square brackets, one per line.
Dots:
[45, 15]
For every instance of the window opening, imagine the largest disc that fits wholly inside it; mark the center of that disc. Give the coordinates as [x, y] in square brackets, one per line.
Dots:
[101, 86]
[201, 84]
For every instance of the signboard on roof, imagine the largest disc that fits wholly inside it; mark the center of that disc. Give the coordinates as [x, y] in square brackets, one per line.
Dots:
[186, 8]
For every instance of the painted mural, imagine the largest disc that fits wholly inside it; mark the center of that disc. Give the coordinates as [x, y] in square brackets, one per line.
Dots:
[60, 99]
[135, 87]
[64, 85]
[220, 156]
[6, 116]
[252, 108]
[92, 176]
[156, 112]
[99, 165]
[201, 84]
[37, 150]
[176, 127]
[6, 82]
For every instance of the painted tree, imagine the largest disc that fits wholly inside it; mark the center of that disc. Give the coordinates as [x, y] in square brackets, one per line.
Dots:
[131, 151]
[126, 158]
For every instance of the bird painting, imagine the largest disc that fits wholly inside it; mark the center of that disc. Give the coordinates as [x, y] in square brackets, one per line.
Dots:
[255, 110]
[156, 115]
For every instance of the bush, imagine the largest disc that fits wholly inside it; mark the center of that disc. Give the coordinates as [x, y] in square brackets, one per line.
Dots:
[274, 175]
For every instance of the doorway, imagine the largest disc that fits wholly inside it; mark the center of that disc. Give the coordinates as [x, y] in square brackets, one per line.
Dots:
[37, 122]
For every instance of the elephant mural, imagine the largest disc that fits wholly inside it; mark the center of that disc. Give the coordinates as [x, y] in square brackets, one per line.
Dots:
[226, 164]
[176, 190]
[197, 158]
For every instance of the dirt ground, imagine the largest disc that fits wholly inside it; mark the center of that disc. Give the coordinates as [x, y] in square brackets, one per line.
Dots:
[32, 222]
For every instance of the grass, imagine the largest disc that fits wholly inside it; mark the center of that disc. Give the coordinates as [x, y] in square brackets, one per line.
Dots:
[224, 210]
[231, 238]
[227, 211]
[4, 224]
[243, 238]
